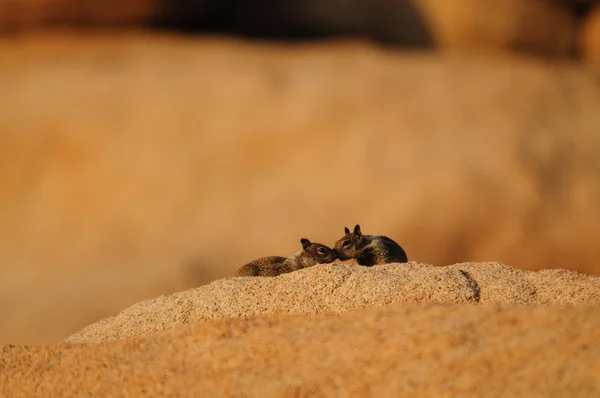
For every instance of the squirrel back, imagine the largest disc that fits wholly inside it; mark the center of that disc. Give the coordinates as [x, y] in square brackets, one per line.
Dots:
[264, 266]
[311, 254]
[369, 250]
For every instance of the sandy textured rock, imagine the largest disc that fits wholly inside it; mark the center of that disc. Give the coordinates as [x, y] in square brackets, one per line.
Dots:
[336, 288]
[498, 283]
[399, 350]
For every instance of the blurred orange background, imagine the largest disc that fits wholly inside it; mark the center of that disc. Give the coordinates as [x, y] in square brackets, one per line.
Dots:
[151, 147]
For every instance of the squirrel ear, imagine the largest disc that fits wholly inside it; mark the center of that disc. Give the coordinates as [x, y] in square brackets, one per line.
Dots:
[357, 230]
[346, 230]
[305, 243]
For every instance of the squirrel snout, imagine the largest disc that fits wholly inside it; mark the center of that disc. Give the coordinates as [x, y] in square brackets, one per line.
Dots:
[340, 255]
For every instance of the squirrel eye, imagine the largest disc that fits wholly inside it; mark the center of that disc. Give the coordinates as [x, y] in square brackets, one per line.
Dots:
[346, 242]
[321, 250]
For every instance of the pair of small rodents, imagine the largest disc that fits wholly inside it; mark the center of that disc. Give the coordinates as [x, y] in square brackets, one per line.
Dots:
[368, 250]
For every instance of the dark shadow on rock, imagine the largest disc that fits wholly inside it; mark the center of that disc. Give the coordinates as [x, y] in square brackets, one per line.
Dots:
[394, 22]
[473, 285]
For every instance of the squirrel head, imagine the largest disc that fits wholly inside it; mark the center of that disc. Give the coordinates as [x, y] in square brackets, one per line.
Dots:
[316, 253]
[349, 245]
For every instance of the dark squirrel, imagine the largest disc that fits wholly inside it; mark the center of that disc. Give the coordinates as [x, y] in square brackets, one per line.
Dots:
[369, 250]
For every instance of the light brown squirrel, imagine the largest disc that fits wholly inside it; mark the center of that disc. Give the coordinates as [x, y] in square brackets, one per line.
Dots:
[369, 250]
[311, 254]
